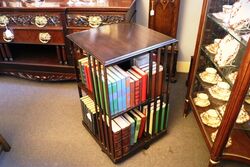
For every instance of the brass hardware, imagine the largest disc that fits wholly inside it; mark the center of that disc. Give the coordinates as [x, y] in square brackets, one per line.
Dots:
[44, 37]
[41, 21]
[94, 21]
[4, 20]
[8, 36]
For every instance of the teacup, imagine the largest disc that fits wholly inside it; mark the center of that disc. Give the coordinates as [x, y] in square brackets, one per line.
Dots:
[227, 9]
[211, 73]
[223, 86]
[212, 114]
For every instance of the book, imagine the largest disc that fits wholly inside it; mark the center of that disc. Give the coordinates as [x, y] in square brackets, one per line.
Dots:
[143, 121]
[144, 82]
[81, 63]
[164, 117]
[136, 89]
[132, 90]
[137, 124]
[114, 94]
[127, 78]
[140, 84]
[119, 89]
[89, 113]
[117, 137]
[132, 127]
[123, 90]
[154, 79]
[153, 122]
[141, 60]
[125, 129]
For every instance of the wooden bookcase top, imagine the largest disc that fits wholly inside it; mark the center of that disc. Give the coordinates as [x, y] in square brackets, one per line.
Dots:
[111, 44]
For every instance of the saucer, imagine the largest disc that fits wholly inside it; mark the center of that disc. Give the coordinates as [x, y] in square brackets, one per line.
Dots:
[205, 78]
[242, 117]
[213, 136]
[201, 103]
[214, 122]
[216, 92]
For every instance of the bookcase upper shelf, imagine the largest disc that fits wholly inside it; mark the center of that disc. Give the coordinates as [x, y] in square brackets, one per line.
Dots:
[117, 42]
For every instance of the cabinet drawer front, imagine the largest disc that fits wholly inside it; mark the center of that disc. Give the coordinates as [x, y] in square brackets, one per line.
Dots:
[31, 19]
[90, 20]
[52, 37]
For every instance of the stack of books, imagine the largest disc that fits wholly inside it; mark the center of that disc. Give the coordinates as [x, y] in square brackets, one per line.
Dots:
[89, 113]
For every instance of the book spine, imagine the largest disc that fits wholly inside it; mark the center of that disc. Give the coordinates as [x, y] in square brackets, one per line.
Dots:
[137, 92]
[132, 93]
[144, 87]
[115, 97]
[127, 92]
[124, 94]
[111, 103]
[119, 93]
[157, 119]
[126, 140]
[90, 85]
[159, 83]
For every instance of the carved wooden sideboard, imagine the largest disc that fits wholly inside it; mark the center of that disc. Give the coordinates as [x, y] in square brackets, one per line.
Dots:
[32, 34]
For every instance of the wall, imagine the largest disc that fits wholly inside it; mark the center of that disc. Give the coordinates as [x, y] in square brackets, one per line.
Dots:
[142, 11]
[188, 23]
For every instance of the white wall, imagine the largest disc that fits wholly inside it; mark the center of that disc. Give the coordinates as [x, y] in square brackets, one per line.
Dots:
[188, 23]
[142, 9]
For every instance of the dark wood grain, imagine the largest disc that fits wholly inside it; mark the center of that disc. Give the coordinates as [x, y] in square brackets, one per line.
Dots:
[62, 19]
[118, 42]
[165, 19]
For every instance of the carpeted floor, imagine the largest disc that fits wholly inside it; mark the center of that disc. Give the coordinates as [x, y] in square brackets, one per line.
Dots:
[42, 123]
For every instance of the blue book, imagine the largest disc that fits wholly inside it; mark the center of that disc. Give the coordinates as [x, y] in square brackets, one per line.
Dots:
[124, 92]
[119, 89]
[124, 73]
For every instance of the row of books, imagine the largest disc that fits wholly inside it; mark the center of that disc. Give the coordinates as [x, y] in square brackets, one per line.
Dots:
[126, 89]
[128, 128]
[89, 113]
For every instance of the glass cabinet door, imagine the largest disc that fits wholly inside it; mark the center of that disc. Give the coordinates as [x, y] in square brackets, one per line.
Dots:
[222, 49]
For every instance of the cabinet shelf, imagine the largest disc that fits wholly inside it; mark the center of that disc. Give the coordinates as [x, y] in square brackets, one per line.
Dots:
[228, 30]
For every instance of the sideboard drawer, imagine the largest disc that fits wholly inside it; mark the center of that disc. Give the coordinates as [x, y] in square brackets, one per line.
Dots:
[92, 20]
[33, 19]
[35, 36]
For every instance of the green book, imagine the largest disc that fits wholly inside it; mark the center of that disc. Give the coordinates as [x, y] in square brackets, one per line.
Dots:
[137, 119]
[163, 115]
[114, 94]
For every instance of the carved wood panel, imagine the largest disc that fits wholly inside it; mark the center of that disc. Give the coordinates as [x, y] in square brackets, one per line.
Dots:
[164, 19]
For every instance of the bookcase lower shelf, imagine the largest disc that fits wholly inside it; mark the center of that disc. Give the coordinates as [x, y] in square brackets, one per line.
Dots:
[144, 143]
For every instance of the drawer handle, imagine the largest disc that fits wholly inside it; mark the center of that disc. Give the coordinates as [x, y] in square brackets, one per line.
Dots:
[94, 21]
[4, 20]
[41, 21]
[8, 36]
[44, 37]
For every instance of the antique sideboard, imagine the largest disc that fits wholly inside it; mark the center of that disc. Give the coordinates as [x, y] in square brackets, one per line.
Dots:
[33, 42]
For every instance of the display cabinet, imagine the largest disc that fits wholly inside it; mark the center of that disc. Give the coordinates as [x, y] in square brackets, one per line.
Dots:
[123, 109]
[218, 87]
[33, 42]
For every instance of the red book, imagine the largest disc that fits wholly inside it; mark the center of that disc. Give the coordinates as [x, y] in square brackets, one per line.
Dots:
[143, 122]
[90, 84]
[144, 82]
[137, 88]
